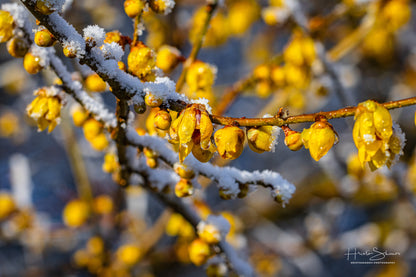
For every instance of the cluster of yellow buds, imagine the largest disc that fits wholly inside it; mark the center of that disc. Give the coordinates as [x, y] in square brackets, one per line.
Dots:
[319, 138]
[374, 137]
[45, 108]
[184, 187]
[141, 62]
[168, 58]
[178, 226]
[76, 213]
[92, 256]
[192, 130]
[94, 134]
[241, 15]
[6, 26]
[391, 16]
[110, 164]
[200, 78]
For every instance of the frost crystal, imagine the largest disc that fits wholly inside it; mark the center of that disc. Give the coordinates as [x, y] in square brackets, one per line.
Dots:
[113, 51]
[18, 12]
[94, 32]
[74, 46]
[41, 52]
[169, 4]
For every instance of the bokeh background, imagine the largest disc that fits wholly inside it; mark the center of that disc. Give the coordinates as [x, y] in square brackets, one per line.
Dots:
[337, 205]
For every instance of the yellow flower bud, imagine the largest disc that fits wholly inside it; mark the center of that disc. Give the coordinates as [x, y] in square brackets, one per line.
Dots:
[17, 47]
[178, 226]
[217, 32]
[293, 140]
[199, 252]
[261, 139]
[121, 66]
[32, 63]
[103, 204]
[79, 116]
[6, 26]
[319, 138]
[241, 14]
[230, 142]
[263, 89]
[184, 188]
[262, 72]
[81, 258]
[94, 83]
[396, 13]
[203, 155]
[200, 75]
[9, 124]
[92, 128]
[278, 76]
[133, 7]
[69, 52]
[151, 162]
[100, 142]
[44, 38]
[129, 254]
[168, 58]
[7, 205]
[44, 6]
[296, 76]
[141, 60]
[76, 213]
[95, 245]
[162, 120]
[209, 233]
[110, 164]
[152, 100]
[184, 171]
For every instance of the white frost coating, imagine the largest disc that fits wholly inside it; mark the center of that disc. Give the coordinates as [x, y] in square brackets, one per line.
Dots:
[158, 177]
[369, 138]
[113, 51]
[274, 136]
[19, 13]
[75, 47]
[42, 53]
[239, 265]
[140, 29]
[226, 177]
[97, 109]
[221, 223]
[397, 131]
[94, 32]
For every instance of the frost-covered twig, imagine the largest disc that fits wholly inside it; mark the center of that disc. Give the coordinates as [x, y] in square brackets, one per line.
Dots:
[122, 112]
[229, 179]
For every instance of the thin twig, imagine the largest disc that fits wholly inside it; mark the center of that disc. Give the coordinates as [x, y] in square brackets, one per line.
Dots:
[209, 9]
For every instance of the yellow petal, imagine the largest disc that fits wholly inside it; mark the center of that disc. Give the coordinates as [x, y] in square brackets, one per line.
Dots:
[306, 134]
[42, 124]
[173, 130]
[52, 125]
[32, 105]
[203, 155]
[321, 140]
[184, 150]
[186, 127]
[383, 122]
[54, 108]
[206, 129]
[41, 108]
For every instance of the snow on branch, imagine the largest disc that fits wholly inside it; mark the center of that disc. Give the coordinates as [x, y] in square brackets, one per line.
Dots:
[228, 178]
[124, 85]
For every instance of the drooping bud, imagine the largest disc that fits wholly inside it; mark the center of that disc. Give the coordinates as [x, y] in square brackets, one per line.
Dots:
[230, 142]
[261, 139]
[199, 252]
[168, 58]
[94, 83]
[32, 63]
[152, 100]
[6, 26]
[293, 139]
[184, 171]
[44, 38]
[17, 47]
[184, 188]
[319, 138]
[133, 7]
[162, 120]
